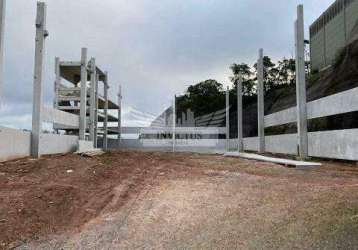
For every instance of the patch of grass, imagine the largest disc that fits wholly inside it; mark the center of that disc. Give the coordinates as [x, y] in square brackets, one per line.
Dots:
[329, 226]
[340, 229]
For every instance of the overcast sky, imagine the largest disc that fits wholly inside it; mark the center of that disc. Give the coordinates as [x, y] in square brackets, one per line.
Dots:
[154, 49]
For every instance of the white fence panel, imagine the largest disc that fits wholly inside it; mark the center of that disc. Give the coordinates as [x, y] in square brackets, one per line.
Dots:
[281, 117]
[339, 103]
[338, 144]
[185, 130]
[342, 102]
[251, 143]
[14, 143]
[58, 144]
[282, 144]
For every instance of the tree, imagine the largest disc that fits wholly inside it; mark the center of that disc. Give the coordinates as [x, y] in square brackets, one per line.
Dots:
[270, 73]
[286, 72]
[202, 98]
[247, 82]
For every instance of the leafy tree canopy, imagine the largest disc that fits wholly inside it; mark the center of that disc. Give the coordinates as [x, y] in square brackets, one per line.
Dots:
[202, 98]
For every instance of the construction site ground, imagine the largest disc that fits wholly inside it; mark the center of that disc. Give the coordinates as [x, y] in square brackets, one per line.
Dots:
[144, 200]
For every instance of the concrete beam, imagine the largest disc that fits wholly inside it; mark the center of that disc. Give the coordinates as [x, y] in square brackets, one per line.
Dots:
[240, 144]
[285, 162]
[83, 103]
[105, 123]
[260, 102]
[2, 32]
[41, 34]
[59, 117]
[70, 64]
[301, 84]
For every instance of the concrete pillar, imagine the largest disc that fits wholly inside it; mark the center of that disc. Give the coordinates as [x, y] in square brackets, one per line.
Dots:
[83, 103]
[301, 84]
[57, 81]
[119, 112]
[227, 105]
[174, 122]
[240, 144]
[260, 102]
[41, 34]
[96, 113]
[2, 32]
[105, 123]
[92, 101]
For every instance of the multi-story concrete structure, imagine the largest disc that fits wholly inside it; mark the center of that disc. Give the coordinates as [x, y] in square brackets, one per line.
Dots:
[77, 92]
[335, 28]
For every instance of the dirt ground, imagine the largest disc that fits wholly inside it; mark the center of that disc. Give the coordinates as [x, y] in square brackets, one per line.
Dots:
[137, 200]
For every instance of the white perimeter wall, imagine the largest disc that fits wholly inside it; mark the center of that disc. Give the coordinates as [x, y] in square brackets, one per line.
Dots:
[336, 144]
[16, 143]
[58, 144]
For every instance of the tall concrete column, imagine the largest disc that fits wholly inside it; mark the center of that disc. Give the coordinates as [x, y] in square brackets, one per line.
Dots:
[83, 103]
[92, 101]
[105, 123]
[57, 81]
[2, 32]
[260, 102]
[41, 34]
[301, 84]
[227, 111]
[119, 112]
[240, 144]
[174, 122]
[96, 114]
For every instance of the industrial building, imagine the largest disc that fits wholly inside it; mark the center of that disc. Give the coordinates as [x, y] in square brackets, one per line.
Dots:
[334, 29]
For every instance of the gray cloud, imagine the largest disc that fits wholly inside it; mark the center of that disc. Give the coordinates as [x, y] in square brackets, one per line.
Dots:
[153, 48]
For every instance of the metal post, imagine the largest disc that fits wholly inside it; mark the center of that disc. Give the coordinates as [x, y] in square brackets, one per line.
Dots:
[260, 102]
[92, 101]
[41, 34]
[57, 81]
[240, 144]
[301, 84]
[105, 124]
[174, 122]
[83, 103]
[227, 119]
[2, 32]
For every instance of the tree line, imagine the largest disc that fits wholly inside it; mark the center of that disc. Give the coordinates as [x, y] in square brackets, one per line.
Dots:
[208, 96]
